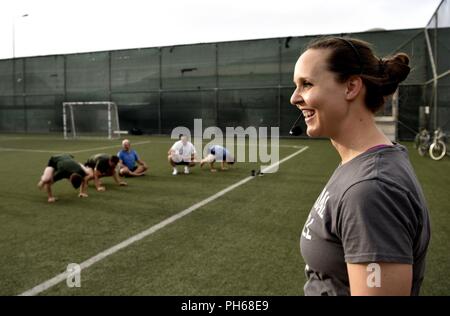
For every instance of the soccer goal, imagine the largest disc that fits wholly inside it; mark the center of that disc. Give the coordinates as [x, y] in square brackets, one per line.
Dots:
[91, 119]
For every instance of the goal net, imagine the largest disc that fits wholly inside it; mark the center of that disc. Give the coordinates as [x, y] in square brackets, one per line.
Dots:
[91, 119]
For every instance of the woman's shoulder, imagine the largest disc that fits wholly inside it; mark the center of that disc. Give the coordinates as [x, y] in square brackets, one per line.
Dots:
[388, 165]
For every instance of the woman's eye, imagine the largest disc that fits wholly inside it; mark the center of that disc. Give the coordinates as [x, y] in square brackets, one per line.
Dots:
[307, 84]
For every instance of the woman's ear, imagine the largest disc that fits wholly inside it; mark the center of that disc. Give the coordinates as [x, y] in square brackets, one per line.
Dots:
[353, 88]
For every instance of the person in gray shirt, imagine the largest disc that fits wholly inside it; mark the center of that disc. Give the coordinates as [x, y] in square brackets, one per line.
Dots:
[369, 230]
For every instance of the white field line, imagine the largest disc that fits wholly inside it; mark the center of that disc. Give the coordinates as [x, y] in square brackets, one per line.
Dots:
[116, 146]
[72, 152]
[107, 147]
[102, 255]
[30, 150]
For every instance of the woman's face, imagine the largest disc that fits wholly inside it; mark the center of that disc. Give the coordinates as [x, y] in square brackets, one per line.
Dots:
[318, 95]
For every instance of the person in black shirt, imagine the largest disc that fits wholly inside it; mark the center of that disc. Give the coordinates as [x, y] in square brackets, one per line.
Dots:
[63, 166]
[103, 165]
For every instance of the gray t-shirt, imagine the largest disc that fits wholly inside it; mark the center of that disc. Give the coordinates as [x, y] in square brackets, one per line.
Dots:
[371, 210]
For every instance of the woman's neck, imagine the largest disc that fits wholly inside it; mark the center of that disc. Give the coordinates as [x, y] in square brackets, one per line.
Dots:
[358, 137]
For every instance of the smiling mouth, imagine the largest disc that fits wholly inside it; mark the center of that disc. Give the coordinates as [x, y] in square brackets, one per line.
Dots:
[308, 113]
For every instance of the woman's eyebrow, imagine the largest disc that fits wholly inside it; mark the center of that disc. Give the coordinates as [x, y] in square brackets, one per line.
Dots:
[300, 79]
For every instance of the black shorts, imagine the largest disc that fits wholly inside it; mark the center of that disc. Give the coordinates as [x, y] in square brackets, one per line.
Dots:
[224, 157]
[182, 163]
[131, 169]
[52, 162]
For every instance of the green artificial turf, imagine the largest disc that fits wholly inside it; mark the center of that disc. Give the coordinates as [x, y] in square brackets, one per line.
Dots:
[246, 242]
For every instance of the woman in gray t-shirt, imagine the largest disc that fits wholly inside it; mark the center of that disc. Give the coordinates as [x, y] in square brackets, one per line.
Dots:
[368, 232]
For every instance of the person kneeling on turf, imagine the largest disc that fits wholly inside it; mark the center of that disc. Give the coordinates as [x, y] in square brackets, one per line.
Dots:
[103, 165]
[182, 153]
[63, 166]
[219, 154]
[130, 164]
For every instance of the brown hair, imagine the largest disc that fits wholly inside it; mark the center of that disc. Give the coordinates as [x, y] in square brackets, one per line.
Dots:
[355, 57]
[115, 159]
[76, 180]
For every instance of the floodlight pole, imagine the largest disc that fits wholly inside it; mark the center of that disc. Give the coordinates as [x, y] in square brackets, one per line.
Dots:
[14, 34]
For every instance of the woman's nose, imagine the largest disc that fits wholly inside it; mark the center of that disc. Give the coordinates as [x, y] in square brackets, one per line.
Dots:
[296, 98]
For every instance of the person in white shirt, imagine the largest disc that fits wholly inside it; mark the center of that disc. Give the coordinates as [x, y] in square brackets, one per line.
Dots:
[182, 153]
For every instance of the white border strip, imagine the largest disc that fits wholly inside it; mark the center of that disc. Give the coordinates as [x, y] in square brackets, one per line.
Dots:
[102, 255]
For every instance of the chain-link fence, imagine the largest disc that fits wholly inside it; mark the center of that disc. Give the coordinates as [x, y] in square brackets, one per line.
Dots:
[437, 86]
[242, 83]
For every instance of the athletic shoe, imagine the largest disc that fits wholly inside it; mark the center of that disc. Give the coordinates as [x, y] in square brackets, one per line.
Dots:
[175, 172]
[186, 169]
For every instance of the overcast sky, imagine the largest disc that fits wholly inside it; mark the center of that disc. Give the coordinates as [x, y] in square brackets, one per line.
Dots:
[69, 26]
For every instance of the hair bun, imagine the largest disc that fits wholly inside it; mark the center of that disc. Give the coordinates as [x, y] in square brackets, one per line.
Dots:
[401, 58]
[396, 70]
